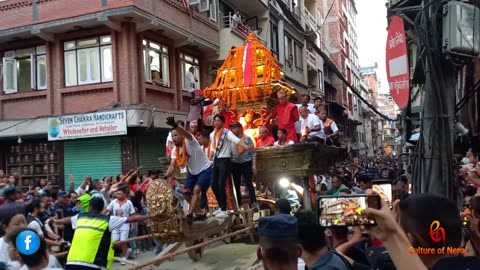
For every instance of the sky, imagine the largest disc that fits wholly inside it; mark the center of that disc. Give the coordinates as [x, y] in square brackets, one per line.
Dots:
[372, 36]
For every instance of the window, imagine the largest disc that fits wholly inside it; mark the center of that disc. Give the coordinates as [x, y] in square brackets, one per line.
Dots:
[186, 62]
[298, 56]
[274, 46]
[288, 51]
[320, 82]
[212, 12]
[350, 102]
[25, 70]
[293, 53]
[88, 61]
[156, 65]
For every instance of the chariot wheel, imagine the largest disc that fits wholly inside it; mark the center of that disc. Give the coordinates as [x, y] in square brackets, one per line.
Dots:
[195, 254]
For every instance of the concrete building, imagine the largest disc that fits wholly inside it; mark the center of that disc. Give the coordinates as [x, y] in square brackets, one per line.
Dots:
[67, 57]
[363, 143]
[303, 68]
[340, 44]
[387, 106]
[369, 77]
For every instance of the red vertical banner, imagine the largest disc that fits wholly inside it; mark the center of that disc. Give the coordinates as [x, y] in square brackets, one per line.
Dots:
[247, 65]
[398, 69]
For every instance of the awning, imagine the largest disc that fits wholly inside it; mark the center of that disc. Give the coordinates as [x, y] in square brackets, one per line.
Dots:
[137, 116]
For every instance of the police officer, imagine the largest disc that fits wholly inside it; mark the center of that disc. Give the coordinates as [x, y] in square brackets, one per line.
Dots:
[278, 238]
[92, 241]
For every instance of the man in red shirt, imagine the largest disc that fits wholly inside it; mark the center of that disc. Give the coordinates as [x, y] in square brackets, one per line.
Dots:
[264, 139]
[286, 114]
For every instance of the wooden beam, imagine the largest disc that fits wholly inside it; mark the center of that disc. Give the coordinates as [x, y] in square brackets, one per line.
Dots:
[116, 26]
[43, 35]
[147, 26]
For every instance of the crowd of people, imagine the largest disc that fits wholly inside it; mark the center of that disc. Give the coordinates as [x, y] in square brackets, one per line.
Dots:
[56, 216]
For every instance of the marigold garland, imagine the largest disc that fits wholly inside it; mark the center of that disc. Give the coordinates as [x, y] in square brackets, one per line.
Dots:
[183, 158]
[216, 137]
[209, 152]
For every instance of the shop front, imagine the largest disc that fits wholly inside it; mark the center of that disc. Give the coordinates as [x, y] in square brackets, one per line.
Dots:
[31, 160]
[98, 144]
[91, 143]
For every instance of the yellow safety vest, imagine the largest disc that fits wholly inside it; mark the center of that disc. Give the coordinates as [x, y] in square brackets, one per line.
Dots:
[92, 241]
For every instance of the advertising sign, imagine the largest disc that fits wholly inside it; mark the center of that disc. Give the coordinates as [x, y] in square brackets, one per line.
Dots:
[78, 126]
[398, 69]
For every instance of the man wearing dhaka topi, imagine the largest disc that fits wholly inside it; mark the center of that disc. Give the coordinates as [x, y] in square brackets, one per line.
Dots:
[286, 114]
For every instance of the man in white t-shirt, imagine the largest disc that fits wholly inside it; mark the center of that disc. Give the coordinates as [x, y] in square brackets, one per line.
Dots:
[190, 81]
[311, 127]
[121, 207]
[189, 155]
[222, 140]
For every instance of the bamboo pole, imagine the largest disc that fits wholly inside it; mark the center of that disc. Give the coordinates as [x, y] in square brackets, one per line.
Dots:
[62, 254]
[137, 238]
[185, 250]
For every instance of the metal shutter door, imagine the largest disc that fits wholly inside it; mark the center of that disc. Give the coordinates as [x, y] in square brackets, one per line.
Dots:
[97, 157]
[150, 148]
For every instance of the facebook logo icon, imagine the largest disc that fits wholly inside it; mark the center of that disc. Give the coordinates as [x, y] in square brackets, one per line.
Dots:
[28, 242]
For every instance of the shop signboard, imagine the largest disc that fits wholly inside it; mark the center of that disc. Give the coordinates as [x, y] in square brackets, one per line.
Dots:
[90, 125]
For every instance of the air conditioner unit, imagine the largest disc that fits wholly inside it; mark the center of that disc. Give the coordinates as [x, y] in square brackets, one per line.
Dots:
[461, 29]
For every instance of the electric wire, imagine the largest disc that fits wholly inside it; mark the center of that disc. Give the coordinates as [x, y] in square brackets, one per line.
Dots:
[288, 13]
[440, 126]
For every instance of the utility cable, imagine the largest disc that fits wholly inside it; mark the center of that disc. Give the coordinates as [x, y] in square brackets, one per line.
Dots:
[324, 21]
[287, 12]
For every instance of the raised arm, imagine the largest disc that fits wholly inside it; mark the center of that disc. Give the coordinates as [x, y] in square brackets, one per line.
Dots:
[171, 122]
[63, 221]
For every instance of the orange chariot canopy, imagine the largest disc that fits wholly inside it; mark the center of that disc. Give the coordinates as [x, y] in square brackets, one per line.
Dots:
[248, 73]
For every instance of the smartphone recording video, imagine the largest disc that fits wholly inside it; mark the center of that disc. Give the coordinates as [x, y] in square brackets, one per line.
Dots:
[345, 210]
[384, 190]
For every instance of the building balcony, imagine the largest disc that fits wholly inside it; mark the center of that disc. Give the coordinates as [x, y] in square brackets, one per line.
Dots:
[45, 19]
[311, 59]
[311, 19]
[252, 7]
[233, 34]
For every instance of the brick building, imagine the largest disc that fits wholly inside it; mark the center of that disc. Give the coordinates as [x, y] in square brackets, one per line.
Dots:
[64, 57]
[369, 77]
[340, 45]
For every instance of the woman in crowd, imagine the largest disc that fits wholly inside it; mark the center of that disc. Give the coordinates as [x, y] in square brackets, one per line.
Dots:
[10, 223]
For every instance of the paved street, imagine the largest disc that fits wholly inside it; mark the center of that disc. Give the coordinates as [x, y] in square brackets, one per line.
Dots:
[219, 256]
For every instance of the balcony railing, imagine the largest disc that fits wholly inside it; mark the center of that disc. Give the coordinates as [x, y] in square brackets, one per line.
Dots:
[311, 19]
[311, 59]
[239, 27]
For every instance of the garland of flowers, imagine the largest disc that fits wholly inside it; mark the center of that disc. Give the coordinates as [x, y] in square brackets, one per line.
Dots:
[230, 85]
[209, 153]
[183, 158]
[238, 148]
[216, 137]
